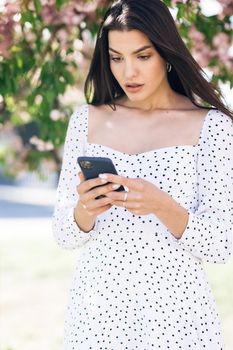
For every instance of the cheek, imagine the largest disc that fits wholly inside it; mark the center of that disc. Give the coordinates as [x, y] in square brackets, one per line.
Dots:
[115, 71]
[155, 72]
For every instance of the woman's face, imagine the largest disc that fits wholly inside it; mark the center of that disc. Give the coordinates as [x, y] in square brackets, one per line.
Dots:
[136, 65]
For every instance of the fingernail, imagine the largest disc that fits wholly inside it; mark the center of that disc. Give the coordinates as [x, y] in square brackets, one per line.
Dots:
[116, 186]
[103, 176]
[104, 181]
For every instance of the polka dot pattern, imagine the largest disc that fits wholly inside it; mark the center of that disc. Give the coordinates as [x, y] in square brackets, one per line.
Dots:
[135, 285]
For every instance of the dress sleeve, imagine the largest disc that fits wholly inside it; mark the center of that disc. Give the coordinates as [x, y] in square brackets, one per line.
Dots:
[66, 232]
[209, 230]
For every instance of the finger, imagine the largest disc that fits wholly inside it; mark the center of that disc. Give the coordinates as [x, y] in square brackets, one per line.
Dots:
[98, 211]
[86, 185]
[133, 184]
[99, 191]
[127, 196]
[81, 176]
[96, 203]
[100, 202]
[120, 196]
[127, 205]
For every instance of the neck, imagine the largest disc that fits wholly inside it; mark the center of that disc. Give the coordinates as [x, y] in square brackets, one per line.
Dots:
[166, 98]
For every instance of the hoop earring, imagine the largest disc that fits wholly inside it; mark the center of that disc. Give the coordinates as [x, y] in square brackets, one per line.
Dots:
[169, 67]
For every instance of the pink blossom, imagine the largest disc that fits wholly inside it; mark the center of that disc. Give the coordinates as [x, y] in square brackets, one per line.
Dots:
[7, 24]
[200, 50]
[70, 14]
[203, 53]
[220, 39]
[71, 97]
[56, 115]
[63, 37]
[229, 65]
[196, 35]
[41, 145]
[6, 36]
[227, 8]
[222, 46]
[67, 15]
[10, 9]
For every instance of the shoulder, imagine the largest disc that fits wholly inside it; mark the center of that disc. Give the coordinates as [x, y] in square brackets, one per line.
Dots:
[216, 114]
[97, 115]
[89, 117]
[219, 121]
[78, 117]
[78, 120]
[79, 111]
[199, 114]
[217, 131]
[104, 108]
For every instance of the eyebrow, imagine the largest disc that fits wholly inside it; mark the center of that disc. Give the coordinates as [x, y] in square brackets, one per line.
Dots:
[137, 51]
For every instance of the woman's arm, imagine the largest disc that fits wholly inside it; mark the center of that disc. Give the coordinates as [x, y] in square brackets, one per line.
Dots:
[172, 215]
[207, 232]
[66, 231]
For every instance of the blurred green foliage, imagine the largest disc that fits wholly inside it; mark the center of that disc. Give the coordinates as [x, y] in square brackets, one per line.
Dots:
[46, 49]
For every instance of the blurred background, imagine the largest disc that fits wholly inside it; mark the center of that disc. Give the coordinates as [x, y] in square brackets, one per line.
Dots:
[45, 51]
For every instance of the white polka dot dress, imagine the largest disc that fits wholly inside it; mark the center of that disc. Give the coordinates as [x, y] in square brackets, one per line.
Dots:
[135, 285]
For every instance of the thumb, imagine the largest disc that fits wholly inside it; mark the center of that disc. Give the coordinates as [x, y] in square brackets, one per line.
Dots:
[81, 176]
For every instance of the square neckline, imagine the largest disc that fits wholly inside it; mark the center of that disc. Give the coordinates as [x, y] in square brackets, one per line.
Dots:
[156, 150]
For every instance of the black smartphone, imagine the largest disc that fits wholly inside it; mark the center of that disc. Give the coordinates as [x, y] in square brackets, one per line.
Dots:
[93, 166]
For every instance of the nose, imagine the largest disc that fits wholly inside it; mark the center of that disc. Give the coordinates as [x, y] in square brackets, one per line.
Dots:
[130, 70]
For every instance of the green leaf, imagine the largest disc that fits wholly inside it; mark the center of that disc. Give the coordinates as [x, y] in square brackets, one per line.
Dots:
[231, 82]
[60, 86]
[19, 62]
[50, 96]
[38, 6]
[67, 76]
[60, 3]
[181, 11]
[167, 2]
[36, 69]
[27, 16]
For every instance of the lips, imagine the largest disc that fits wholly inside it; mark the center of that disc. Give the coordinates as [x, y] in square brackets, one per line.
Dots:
[133, 87]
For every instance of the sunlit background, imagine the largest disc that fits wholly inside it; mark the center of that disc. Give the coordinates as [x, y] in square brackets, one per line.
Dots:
[35, 272]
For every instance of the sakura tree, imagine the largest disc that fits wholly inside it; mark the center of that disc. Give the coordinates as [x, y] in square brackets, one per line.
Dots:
[45, 50]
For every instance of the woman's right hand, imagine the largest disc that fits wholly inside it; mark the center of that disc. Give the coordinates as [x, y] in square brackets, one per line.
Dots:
[88, 195]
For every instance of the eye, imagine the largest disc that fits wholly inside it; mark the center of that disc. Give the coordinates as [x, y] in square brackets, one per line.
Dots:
[115, 59]
[144, 57]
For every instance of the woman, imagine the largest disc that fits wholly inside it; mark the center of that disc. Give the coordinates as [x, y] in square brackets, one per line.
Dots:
[140, 282]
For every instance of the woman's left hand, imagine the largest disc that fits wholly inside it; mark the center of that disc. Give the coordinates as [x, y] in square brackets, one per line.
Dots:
[142, 197]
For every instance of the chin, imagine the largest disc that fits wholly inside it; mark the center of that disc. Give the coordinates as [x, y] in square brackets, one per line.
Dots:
[137, 98]
[133, 96]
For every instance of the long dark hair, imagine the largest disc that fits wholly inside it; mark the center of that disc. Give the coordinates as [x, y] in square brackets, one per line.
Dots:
[153, 18]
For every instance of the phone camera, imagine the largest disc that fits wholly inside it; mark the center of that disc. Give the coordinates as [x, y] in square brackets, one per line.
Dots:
[86, 164]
